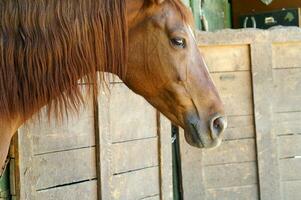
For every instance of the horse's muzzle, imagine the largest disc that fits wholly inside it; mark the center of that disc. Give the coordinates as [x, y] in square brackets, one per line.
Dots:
[200, 134]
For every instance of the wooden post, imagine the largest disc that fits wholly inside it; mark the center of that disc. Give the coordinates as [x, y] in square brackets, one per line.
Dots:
[104, 149]
[165, 157]
[266, 140]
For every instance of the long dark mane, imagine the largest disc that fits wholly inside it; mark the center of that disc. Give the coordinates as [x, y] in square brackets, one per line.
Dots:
[46, 46]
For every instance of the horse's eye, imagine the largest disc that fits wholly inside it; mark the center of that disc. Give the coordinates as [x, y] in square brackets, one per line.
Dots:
[178, 42]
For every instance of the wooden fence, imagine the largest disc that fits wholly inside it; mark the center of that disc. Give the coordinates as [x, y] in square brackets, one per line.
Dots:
[120, 147]
[258, 74]
[116, 148]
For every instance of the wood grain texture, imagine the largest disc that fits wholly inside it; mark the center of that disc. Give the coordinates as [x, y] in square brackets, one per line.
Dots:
[240, 127]
[290, 169]
[231, 152]
[165, 158]
[135, 162]
[266, 139]
[230, 175]
[126, 108]
[289, 146]
[134, 155]
[240, 101]
[287, 123]
[291, 190]
[226, 58]
[287, 85]
[135, 185]
[104, 144]
[194, 186]
[287, 55]
[64, 167]
[249, 192]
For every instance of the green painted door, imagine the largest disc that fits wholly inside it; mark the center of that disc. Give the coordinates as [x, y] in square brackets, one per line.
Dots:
[4, 186]
[211, 14]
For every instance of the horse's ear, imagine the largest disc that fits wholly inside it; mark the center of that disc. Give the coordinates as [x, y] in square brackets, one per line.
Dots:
[157, 1]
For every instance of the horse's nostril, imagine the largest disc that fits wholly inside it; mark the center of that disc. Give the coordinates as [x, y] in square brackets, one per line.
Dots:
[217, 126]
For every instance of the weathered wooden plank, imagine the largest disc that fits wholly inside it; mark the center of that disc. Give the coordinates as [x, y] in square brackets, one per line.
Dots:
[224, 58]
[165, 158]
[236, 91]
[291, 190]
[290, 169]
[231, 152]
[230, 175]
[287, 55]
[135, 185]
[287, 123]
[287, 85]
[83, 191]
[192, 170]
[134, 155]
[239, 127]
[64, 167]
[24, 159]
[73, 132]
[104, 143]
[289, 146]
[143, 114]
[266, 139]
[249, 192]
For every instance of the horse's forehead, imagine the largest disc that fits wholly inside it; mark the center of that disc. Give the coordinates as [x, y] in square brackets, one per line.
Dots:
[169, 17]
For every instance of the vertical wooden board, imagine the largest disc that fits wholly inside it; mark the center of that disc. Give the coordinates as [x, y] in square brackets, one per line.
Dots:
[227, 58]
[236, 92]
[26, 175]
[291, 190]
[266, 139]
[81, 191]
[287, 55]
[122, 100]
[192, 170]
[289, 146]
[239, 127]
[134, 155]
[287, 123]
[231, 152]
[230, 175]
[135, 185]
[287, 85]
[136, 167]
[249, 192]
[64, 167]
[165, 158]
[104, 145]
[290, 169]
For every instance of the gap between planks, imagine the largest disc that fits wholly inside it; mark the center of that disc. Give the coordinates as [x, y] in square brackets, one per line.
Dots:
[134, 170]
[66, 184]
[65, 150]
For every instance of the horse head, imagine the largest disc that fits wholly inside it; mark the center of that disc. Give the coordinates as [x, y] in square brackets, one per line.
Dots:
[167, 69]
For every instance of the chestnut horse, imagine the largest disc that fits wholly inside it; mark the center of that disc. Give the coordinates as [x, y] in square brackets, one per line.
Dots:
[47, 46]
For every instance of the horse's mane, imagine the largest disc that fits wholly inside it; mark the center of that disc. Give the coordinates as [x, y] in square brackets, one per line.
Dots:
[46, 46]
